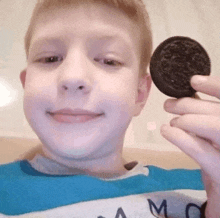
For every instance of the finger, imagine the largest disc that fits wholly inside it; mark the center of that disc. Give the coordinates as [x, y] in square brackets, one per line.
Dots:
[209, 85]
[207, 156]
[192, 106]
[207, 127]
[196, 96]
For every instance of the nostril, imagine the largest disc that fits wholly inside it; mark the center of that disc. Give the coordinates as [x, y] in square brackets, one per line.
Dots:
[80, 87]
[65, 87]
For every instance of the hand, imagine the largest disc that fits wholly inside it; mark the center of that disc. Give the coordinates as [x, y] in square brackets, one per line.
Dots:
[196, 131]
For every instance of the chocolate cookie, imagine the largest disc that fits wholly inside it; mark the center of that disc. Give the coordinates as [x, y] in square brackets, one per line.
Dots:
[174, 62]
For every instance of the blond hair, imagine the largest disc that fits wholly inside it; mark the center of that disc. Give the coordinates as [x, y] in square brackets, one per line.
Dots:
[134, 9]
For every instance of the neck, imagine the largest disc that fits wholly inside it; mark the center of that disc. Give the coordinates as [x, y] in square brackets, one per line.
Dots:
[110, 165]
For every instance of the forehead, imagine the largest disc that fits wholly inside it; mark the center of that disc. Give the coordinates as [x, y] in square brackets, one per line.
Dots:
[91, 21]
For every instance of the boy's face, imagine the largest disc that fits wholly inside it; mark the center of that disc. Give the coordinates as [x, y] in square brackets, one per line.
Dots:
[82, 59]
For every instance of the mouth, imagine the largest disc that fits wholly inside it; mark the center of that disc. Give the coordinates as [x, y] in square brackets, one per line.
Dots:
[73, 116]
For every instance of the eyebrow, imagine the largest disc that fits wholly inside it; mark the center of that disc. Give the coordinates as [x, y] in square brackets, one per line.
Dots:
[44, 40]
[109, 37]
[96, 37]
[114, 38]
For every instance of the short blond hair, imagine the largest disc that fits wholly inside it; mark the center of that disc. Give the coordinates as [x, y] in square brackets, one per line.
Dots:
[134, 9]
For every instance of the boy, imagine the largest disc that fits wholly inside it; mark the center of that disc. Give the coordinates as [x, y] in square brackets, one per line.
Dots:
[84, 82]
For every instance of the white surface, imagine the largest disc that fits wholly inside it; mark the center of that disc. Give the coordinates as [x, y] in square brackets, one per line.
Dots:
[198, 19]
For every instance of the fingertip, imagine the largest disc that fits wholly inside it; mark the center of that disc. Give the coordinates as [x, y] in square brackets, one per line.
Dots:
[206, 84]
[169, 104]
[197, 80]
[164, 128]
[173, 122]
[166, 105]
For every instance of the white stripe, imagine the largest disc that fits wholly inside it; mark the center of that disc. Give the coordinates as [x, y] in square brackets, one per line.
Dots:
[134, 206]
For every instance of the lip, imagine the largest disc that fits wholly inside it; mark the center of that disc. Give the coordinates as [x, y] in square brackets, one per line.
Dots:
[67, 115]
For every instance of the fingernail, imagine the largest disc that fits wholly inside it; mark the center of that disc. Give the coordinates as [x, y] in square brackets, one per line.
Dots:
[168, 103]
[173, 121]
[197, 80]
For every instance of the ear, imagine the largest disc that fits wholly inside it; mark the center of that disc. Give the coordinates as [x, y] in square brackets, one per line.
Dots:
[23, 77]
[144, 87]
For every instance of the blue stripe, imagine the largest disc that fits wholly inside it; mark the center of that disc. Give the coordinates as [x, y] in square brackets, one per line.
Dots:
[25, 190]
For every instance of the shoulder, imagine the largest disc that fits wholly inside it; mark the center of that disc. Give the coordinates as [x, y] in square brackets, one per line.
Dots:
[10, 169]
[176, 178]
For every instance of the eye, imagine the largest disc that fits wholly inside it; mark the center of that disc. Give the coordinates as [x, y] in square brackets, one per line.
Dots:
[109, 62]
[51, 59]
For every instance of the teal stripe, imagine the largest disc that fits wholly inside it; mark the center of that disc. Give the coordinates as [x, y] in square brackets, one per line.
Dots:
[24, 190]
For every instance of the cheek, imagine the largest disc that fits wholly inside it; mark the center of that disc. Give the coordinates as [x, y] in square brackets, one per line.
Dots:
[39, 79]
[39, 85]
[123, 88]
[32, 103]
[37, 96]
[119, 94]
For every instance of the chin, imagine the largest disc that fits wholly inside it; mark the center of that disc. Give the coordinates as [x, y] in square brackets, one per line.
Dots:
[74, 150]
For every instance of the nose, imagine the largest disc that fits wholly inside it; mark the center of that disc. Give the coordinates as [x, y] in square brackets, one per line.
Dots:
[75, 76]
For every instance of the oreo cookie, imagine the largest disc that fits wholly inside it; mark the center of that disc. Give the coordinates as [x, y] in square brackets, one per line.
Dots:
[174, 62]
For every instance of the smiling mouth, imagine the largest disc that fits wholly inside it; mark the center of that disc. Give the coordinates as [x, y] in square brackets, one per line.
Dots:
[69, 116]
[66, 118]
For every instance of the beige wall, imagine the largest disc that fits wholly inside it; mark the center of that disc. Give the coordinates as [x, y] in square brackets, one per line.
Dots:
[198, 19]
